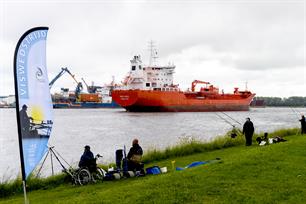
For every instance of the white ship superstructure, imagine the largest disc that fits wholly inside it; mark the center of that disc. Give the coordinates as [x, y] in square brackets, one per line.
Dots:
[149, 77]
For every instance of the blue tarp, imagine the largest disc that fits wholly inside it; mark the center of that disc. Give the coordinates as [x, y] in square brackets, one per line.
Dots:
[193, 164]
[198, 163]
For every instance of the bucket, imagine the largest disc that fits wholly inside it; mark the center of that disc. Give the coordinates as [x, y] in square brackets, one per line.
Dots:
[117, 176]
[130, 174]
[163, 169]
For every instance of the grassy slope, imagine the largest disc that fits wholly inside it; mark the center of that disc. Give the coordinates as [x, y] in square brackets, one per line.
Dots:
[268, 174]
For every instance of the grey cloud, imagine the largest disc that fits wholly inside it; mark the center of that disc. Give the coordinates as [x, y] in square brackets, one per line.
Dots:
[97, 39]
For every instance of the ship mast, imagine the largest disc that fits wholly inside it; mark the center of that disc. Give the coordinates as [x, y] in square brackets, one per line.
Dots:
[153, 53]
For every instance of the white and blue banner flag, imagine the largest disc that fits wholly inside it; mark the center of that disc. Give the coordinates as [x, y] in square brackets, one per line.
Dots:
[33, 98]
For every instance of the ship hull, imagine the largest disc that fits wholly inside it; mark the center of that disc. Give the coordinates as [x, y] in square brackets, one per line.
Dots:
[176, 101]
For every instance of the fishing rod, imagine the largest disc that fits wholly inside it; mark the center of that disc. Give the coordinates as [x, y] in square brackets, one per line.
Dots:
[35, 121]
[231, 118]
[228, 122]
[297, 113]
[235, 130]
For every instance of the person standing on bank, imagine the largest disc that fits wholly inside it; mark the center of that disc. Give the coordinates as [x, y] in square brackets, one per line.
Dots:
[303, 125]
[248, 131]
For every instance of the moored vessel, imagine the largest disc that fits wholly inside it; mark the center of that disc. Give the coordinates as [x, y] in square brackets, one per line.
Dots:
[96, 96]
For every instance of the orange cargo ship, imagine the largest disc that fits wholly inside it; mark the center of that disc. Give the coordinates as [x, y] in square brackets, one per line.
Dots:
[148, 89]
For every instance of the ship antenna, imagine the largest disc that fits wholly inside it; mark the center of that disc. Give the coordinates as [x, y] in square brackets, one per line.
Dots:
[113, 80]
[153, 53]
[246, 85]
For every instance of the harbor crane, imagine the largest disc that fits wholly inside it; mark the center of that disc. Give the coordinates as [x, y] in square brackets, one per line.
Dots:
[79, 87]
[62, 72]
[91, 89]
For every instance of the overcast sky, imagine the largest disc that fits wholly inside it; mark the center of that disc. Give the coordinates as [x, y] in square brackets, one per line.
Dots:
[227, 43]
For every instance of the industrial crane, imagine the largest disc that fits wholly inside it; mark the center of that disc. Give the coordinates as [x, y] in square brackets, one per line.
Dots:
[79, 87]
[64, 69]
[91, 89]
[195, 82]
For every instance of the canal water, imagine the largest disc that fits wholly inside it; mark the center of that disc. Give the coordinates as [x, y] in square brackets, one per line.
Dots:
[106, 130]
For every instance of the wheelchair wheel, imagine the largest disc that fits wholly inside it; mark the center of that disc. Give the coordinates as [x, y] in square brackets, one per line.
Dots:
[99, 174]
[84, 177]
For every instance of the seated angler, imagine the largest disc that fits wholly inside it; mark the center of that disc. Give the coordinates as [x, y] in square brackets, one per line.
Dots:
[263, 140]
[87, 160]
[134, 157]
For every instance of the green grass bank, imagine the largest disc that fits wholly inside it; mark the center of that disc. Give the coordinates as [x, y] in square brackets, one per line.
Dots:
[257, 174]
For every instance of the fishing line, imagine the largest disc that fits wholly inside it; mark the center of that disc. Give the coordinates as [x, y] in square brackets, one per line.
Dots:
[297, 113]
[235, 131]
[37, 120]
[228, 122]
[231, 118]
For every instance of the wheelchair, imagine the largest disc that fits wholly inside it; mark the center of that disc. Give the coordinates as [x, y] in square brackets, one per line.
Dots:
[85, 175]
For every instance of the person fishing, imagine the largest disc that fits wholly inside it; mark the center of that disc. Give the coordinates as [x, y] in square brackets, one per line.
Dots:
[263, 140]
[134, 157]
[303, 125]
[87, 160]
[25, 121]
[248, 131]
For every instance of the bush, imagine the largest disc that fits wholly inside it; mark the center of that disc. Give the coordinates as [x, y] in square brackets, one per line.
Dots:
[10, 188]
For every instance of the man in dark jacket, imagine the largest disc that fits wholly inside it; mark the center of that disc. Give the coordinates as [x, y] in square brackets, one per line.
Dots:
[303, 125]
[248, 131]
[25, 121]
[134, 157]
[88, 160]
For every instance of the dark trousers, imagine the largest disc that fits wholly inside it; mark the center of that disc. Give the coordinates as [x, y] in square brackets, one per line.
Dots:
[132, 166]
[248, 139]
[303, 130]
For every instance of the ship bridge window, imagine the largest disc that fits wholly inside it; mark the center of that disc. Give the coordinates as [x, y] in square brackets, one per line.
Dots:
[147, 84]
[140, 67]
[154, 84]
[133, 67]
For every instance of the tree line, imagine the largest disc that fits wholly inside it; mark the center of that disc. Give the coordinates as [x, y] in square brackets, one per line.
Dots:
[277, 101]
